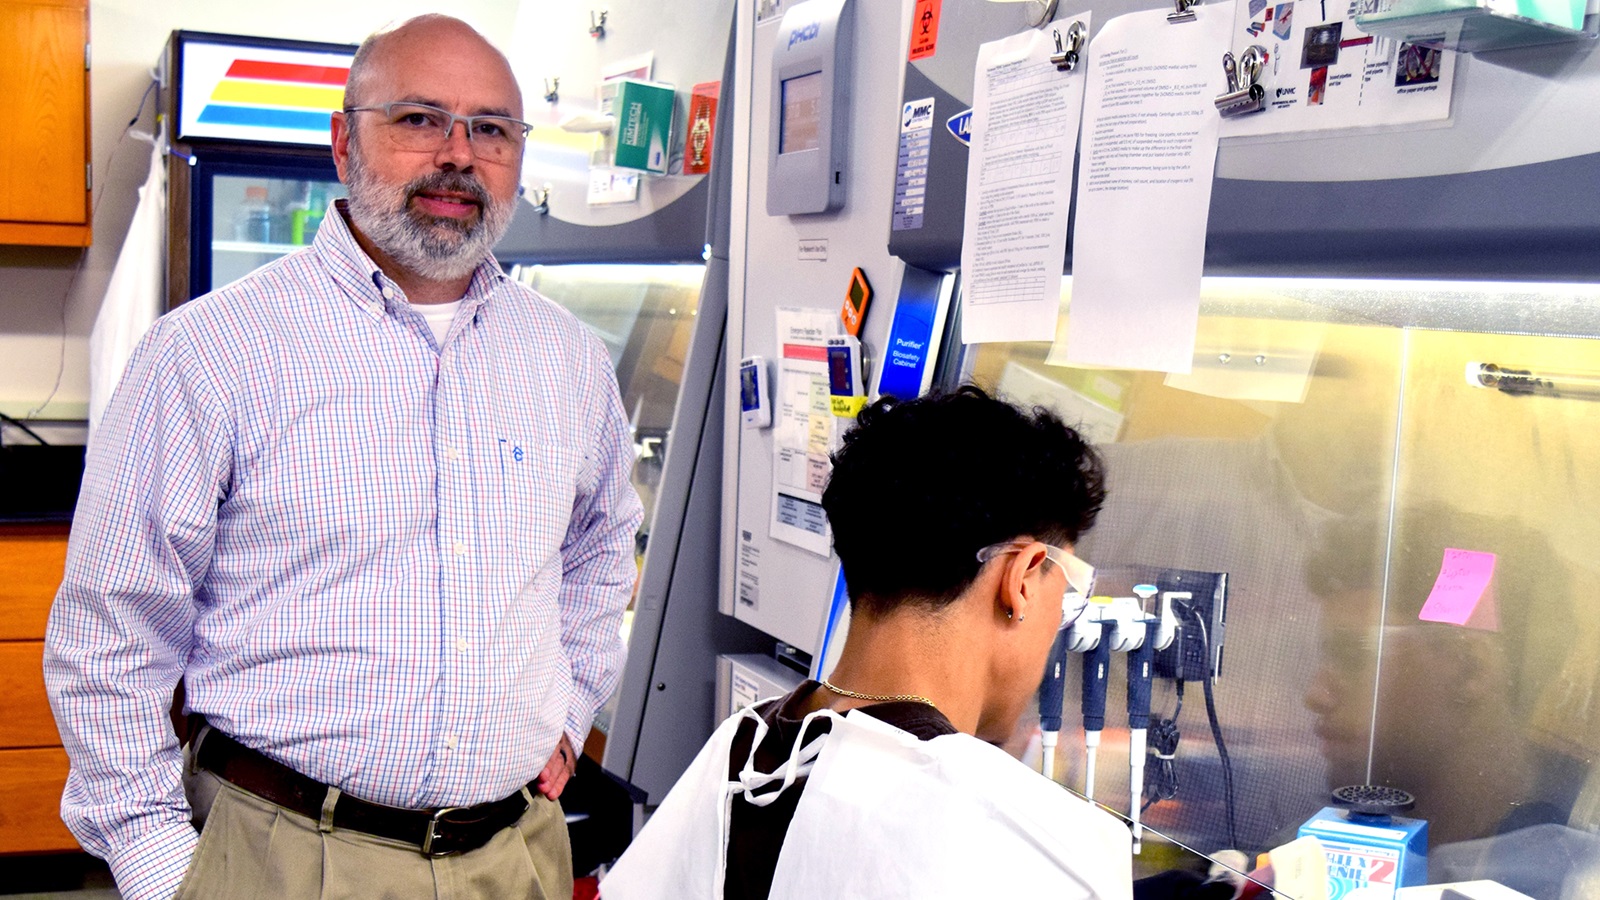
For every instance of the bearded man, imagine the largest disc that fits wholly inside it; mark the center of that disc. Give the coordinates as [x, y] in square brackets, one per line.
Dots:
[371, 506]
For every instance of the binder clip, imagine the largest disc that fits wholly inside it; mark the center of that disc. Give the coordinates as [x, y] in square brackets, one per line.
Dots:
[552, 88]
[1066, 56]
[540, 199]
[597, 26]
[1184, 11]
[1245, 94]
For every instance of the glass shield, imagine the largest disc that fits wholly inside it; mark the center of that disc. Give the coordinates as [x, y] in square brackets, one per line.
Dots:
[1367, 508]
[645, 315]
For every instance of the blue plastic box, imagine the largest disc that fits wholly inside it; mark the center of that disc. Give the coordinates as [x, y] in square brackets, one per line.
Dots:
[1370, 857]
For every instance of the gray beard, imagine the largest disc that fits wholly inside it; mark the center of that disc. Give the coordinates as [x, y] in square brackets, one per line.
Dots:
[429, 247]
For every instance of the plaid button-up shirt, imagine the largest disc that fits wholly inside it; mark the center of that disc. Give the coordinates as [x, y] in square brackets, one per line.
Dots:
[397, 566]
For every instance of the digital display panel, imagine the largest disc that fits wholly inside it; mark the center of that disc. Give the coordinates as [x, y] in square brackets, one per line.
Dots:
[801, 125]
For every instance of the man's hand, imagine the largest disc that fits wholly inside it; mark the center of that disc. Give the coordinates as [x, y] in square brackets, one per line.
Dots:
[563, 764]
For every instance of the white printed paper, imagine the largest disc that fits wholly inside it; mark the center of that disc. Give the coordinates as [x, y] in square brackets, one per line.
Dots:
[1323, 72]
[1025, 116]
[803, 429]
[1144, 189]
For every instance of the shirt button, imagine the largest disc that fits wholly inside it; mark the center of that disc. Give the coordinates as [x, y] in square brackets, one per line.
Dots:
[450, 741]
[388, 292]
[459, 548]
[461, 644]
[452, 453]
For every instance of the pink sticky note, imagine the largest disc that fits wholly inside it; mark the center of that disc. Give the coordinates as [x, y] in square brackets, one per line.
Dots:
[1460, 589]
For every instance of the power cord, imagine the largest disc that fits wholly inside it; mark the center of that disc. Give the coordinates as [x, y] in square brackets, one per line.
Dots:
[101, 183]
[1161, 778]
[23, 427]
[1216, 728]
[1161, 781]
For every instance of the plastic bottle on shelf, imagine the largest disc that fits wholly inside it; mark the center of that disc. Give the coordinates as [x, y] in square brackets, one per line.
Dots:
[253, 222]
[317, 200]
[306, 214]
[299, 214]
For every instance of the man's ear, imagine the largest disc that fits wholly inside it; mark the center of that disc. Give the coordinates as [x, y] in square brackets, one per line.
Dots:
[339, 134]
[1019, 581]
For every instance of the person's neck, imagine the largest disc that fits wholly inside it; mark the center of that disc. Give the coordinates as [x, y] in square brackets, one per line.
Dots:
[910, 652]
[1492, 792]
[418, 290]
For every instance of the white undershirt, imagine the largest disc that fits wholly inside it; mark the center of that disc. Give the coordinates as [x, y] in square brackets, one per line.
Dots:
[438, 316]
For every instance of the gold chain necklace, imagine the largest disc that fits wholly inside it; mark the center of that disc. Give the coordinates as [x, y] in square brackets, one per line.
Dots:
[881, 698]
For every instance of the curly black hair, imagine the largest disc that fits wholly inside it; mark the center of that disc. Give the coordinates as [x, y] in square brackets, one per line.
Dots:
[920, 486]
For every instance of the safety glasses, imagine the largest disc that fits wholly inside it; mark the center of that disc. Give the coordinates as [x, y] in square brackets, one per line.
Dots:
[1080, 575]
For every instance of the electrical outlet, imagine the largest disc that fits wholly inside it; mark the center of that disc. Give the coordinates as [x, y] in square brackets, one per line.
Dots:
[1186, 658]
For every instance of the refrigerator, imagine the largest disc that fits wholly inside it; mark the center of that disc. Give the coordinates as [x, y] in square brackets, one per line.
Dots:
[250, 172]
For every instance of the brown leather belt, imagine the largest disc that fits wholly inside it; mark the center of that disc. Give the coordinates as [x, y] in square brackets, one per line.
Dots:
[435, 832]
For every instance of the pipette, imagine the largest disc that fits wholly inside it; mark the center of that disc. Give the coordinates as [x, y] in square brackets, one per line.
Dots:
[1088, 638]
[1051, 691]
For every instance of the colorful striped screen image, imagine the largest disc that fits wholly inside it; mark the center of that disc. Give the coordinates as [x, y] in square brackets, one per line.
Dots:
[260, 93]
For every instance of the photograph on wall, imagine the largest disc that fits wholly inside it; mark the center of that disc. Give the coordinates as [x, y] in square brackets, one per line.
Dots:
[1285, 15]
[1417, 65]
[1319, 86]
[1321, 46]
[1321, 72]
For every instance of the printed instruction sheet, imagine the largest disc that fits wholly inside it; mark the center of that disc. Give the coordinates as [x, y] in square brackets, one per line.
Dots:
[1323, 72]
[802, 428]
[1025, 117]
[1144, 189]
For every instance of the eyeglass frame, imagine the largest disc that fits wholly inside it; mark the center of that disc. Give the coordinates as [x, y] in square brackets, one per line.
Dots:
[1079, 574]
[388, 110]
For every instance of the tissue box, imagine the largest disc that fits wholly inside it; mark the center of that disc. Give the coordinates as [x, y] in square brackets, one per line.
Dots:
[643, 133]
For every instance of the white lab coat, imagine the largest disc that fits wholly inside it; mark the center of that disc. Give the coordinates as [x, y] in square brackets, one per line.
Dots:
[884, 815]
[133, 296]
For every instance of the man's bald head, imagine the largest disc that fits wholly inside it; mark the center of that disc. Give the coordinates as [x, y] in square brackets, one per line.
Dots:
[405, 43]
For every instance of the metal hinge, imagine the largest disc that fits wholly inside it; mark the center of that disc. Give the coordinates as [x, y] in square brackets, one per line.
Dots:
[86, 56]
[88, 176]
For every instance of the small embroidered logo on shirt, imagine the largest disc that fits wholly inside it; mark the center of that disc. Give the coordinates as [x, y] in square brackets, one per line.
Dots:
[516, 453]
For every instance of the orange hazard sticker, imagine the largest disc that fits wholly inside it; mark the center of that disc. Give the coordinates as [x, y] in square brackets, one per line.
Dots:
[925, 29]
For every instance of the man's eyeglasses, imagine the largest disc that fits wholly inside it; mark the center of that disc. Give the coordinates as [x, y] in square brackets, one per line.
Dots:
[1080, 575]
[424, 128]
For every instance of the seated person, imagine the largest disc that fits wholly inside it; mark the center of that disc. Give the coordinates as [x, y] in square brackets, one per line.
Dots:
[954, 517]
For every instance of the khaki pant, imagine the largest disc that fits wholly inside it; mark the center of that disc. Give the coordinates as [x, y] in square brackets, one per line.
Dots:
[250, 848]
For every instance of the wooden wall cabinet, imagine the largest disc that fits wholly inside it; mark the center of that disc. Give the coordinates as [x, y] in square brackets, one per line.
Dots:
[45, 176]
[33, 767]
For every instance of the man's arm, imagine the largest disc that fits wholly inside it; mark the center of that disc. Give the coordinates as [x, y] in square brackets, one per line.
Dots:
[598, 568]
[121, 628]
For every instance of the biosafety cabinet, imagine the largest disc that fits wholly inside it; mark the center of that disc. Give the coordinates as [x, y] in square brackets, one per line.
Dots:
[1382, 461]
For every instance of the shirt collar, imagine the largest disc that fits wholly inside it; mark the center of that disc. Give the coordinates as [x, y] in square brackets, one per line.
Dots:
[366, 284]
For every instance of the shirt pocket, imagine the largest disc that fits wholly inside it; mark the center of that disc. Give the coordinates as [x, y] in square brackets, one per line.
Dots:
[539, 483]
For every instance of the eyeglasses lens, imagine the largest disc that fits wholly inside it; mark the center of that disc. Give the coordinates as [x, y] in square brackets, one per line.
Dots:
[426, 129]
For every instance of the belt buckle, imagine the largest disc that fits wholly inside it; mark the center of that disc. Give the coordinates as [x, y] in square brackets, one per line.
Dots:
[432, 832]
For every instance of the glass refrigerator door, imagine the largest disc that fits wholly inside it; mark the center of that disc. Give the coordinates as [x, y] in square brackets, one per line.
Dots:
[257, 218]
